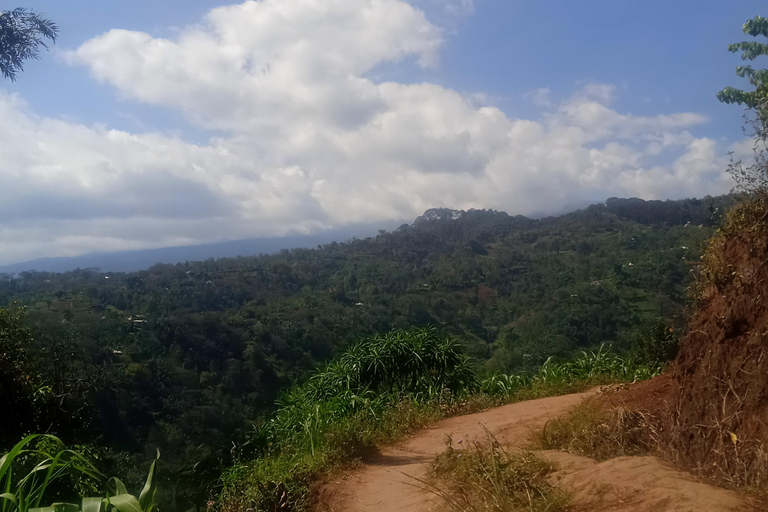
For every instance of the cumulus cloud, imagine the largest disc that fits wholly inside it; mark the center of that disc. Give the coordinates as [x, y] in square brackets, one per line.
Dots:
[306, 139]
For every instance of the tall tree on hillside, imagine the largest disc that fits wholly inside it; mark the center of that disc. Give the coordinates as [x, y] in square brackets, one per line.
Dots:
[22, 34]
[754, 177]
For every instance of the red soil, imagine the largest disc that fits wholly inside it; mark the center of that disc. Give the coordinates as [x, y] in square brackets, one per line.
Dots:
[391, 481]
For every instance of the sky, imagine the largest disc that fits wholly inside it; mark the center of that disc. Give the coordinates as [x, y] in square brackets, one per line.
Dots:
[153, 124]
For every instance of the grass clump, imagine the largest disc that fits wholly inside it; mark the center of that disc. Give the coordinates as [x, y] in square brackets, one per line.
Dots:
[381, 388]
[485, 477]
[600, 433]
[590, 368]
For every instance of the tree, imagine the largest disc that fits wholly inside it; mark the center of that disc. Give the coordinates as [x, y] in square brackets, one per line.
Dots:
[758, 78]
[22, 34]
[18, 379]
[752, 178]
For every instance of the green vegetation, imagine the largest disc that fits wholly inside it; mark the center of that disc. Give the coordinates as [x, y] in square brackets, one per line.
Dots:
[40, 466]
[752, 178]
[186, 358]
[380, 389]
[372, 373]
[22, 34]
[758, 78]
[485, 477]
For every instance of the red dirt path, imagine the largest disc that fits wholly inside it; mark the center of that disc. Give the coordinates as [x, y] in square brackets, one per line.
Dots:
[389, 482]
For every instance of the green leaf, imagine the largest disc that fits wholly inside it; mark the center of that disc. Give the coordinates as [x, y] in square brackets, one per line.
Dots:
[125, 503]
[7, 459]
[92, 505]
[8, 496]
[147, 496]
[119, 486]
[65, 507]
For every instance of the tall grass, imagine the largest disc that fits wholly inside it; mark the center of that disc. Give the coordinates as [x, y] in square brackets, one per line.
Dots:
[40, 468]
[599, 366]
[380, 389]
[371, 376]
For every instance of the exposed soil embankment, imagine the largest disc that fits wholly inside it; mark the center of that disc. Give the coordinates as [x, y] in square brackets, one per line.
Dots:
[709, 414]
[719, 417]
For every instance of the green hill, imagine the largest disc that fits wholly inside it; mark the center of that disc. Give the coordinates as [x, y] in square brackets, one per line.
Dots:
[185, 357]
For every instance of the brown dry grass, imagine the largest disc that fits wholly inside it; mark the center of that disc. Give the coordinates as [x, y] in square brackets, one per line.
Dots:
[485, 477]
[601, 433]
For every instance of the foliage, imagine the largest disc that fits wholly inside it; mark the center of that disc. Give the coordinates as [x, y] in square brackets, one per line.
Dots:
[588, 368]
[315, 430]
[371, 373]
[346, 407]
[20, 386]
[485, 477]
[22, 34]
[36, 467]
[189, 355]
[657, 346]
[758, 78]
[751, 178]
[32, 467]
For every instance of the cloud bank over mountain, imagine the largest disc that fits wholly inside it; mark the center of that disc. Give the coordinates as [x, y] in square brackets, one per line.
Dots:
[303, 138]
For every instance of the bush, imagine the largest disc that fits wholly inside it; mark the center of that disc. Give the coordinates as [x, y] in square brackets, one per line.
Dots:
[658, 346]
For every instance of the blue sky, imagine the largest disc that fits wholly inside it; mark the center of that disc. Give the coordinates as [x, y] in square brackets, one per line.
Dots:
[362, 110]
[660, 53]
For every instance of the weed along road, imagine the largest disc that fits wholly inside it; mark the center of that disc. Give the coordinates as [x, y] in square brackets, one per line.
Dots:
[394, 479]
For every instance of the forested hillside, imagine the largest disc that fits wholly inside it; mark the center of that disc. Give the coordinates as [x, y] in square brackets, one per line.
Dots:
[184, 357]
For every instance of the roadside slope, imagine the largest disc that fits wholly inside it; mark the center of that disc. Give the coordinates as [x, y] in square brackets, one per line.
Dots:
[389, 482]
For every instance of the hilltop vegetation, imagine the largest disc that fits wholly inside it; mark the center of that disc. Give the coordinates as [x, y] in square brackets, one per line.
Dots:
[185, 357]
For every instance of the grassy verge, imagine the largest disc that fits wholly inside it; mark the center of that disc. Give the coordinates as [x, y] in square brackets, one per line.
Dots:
[376, 393]
[485, 477]
[600, 433]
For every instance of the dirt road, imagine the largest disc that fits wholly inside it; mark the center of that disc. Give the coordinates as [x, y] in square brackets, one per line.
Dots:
[386, 483]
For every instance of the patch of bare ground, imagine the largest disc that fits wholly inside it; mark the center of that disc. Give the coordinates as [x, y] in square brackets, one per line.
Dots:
[637, 484]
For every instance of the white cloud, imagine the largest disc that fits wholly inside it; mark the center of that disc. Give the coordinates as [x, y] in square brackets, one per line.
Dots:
[541, 97]
[311, 141]
[451, 8]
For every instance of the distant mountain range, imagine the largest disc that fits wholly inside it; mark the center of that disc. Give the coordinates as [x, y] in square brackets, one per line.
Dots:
[130, 261]
[638, 210]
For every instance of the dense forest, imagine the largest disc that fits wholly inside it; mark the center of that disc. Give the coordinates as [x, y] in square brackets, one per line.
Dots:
[187, 357]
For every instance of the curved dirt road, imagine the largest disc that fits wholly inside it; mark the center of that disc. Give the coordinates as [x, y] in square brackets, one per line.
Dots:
[386, 482]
